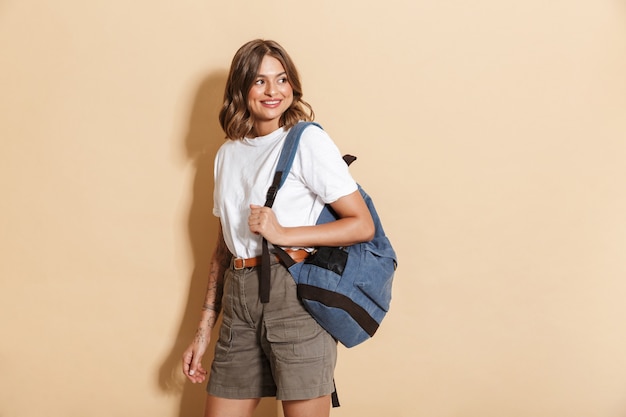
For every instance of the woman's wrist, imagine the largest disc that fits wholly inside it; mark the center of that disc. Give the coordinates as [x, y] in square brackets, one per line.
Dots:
[209, 315]
[216, 307]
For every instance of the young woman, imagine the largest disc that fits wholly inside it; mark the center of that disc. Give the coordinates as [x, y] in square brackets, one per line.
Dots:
[276, 348]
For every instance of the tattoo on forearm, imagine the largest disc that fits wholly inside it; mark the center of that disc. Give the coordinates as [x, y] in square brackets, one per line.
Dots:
[200, 336]
[213, 300]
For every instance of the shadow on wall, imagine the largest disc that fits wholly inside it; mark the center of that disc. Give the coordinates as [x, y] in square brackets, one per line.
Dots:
[203, 139]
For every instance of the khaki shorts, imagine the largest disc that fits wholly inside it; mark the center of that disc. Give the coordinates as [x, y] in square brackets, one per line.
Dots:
[274, 349]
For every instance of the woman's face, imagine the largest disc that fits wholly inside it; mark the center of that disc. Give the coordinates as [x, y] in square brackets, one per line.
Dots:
[270, 96]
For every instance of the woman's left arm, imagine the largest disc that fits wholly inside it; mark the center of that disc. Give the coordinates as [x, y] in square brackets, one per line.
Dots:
[355, 225]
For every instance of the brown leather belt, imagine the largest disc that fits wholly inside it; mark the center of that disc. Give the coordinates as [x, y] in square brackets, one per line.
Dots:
[241, 263]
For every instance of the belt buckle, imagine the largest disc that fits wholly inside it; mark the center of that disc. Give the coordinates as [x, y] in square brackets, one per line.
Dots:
[242, 261]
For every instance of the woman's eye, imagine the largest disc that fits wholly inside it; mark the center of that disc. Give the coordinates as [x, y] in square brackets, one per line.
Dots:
[259, 82]
[282, 80]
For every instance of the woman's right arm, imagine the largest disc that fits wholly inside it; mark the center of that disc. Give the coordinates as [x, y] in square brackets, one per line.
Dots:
[192, 357]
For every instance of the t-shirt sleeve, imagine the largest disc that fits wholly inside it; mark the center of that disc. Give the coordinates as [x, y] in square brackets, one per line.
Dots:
[216, 192]
[321, 166]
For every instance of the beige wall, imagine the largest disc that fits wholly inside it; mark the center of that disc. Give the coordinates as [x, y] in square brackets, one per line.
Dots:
[492, 135]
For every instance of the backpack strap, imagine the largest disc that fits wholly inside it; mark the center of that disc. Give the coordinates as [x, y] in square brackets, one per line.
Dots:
[287, 155]
[291, 144]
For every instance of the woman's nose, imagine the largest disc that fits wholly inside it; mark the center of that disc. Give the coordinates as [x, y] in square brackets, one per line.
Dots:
[270, 88]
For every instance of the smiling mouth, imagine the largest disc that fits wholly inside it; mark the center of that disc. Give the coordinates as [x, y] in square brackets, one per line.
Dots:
[271, 102]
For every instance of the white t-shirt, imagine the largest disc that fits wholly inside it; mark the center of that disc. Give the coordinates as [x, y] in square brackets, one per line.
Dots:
[244, 170]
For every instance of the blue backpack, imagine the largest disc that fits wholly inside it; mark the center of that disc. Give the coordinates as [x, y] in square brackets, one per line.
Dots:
[346, 289]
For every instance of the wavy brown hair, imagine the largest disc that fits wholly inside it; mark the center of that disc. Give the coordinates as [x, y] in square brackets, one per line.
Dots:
[235, 117]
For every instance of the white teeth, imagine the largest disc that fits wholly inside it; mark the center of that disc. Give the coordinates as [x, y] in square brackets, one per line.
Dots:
[271, 102]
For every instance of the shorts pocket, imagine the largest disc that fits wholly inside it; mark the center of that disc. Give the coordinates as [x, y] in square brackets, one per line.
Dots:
[224, 343]
[298, 340]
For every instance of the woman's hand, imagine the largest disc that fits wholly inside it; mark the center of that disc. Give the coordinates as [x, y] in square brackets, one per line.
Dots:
[262, 221]
[192, 357]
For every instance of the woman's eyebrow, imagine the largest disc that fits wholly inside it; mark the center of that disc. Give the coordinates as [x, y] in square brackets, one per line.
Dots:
[270, 75]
